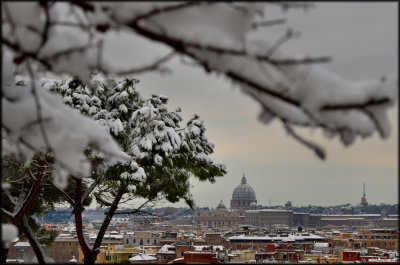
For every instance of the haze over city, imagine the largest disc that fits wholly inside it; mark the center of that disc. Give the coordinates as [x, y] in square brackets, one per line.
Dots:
[276, 166]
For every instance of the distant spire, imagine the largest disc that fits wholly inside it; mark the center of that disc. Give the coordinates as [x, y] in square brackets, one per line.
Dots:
[244, 181]
[363, 199]
[364, 189]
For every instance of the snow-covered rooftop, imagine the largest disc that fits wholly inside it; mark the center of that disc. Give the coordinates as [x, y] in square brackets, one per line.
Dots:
[22, 244]
[200, 248]
[290, 237]
[167, 249]
[142, 257]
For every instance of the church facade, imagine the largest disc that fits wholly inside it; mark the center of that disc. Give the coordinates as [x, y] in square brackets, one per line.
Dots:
[243, 198]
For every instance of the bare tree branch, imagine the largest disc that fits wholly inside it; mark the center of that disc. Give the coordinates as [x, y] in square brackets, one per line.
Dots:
[45, 32]
[28, 170]
[24, 54]
[10, 198]
[29, 199]
[37, 248]
[6, 213]
[69, 51]
[323, 59]
[359, 106]
[289, 35]
[38, 107]
[151, 67]
[157, 11]
[65, 195]
[137, 210]
[91, 188]
[268, 23]
[100, 200]
[316, 148]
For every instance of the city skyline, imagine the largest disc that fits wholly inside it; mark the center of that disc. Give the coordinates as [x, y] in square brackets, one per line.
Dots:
[362, 40]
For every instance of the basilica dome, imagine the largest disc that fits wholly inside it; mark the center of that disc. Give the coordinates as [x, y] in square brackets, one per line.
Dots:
[244, 190]
[221, 206]
[243, 195]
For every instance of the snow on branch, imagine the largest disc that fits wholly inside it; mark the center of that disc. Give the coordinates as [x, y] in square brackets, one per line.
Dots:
[67, 132]
[223, 38]
[306, 90]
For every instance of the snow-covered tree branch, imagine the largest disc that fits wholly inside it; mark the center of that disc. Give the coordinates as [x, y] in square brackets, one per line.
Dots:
[43, 39]
[69, 38]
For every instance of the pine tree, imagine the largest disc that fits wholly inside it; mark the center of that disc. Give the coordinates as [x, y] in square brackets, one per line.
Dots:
[164, 155]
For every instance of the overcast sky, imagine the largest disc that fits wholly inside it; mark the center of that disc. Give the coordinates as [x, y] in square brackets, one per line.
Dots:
[362, 38]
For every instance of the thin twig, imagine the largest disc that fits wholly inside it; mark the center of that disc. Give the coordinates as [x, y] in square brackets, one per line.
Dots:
[38, 107]
[45, 33]
[157, 11]
[151, 67]
[289, 35]
[356, 105]
[69, 51]
[65, 195]
[31, 175]
[323, 59]
[268, 23]
[100, 200]
[10, 197]
[91, 188]
[316, 148]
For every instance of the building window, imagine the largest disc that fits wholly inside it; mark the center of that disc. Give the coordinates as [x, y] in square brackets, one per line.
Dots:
[165, 257]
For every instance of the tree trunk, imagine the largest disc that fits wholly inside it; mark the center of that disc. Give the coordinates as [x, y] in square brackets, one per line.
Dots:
[37, 248]
[21, 221]
[78, 219]
[90, 259]
[4, 254]
[32, 194]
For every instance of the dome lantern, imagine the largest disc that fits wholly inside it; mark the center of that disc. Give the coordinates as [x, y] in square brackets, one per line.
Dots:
[244, 180]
